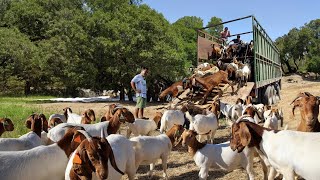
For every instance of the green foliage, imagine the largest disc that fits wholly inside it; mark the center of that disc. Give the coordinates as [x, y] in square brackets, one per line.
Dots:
[299, 49]
[186, 27]
[215, 31]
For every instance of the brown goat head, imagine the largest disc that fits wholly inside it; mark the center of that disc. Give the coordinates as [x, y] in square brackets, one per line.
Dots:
[188, 136]
[54, 121]
[124, 115]
[240, 137]
[7, 124]
[37, 122]
[93, 156]
[65, 111]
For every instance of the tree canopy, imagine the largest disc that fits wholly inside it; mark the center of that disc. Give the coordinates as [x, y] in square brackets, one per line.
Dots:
[57, 47]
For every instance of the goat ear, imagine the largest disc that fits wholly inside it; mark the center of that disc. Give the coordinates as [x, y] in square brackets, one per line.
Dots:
[77, 159]
[29, 121]
[44, 122]
[245, 136]
[78, 137]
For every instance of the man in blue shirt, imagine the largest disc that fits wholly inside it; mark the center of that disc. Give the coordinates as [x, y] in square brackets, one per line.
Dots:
[139, 85]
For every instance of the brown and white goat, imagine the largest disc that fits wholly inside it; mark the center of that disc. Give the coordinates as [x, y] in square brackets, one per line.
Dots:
[92, 155]
[174, 90]
[213, 81]
[144, 127]
[37, 123]
[281, 150]
[309, 110]
[109, 114]
[6, 125]
[108, 127]
[54, 121]
[218, 156]
[148, 149]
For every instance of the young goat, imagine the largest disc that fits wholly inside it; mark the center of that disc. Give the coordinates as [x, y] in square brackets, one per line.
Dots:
[272, 117]
[63, 117]
[42, 162]
[282, 150]
[204, 125]
[75, 118]
[171, 117]
[144, 127]
[213, 81]
[149, 149]
[29, 140]
[218, 156]
[109, 127]
[6, 125]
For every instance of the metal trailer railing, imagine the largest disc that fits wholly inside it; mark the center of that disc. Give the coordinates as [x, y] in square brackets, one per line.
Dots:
[266, 59]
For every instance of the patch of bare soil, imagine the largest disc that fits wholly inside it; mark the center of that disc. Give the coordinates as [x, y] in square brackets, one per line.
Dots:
[181, 164]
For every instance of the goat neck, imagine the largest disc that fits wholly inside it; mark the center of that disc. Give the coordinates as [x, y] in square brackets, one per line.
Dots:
[70, 141]
[174, 133]
[114, 122]
[157, 118]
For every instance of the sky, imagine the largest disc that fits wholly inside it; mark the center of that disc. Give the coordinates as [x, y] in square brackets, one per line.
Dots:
[277, 17]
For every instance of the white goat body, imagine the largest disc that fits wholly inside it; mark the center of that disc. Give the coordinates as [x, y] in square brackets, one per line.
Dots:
[148, 149]
[24, 142]
[141, 127]
[220, 156]
[56, 133]
[73, 118]
[171, 117]
[41, 163]
[203, 125]
[292, 151]
[231, 112]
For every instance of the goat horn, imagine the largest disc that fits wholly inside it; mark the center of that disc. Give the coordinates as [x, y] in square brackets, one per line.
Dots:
[299, 96]
[307, 94]
[241, 117]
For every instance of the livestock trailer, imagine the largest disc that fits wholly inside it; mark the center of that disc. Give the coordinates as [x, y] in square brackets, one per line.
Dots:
[264, 59]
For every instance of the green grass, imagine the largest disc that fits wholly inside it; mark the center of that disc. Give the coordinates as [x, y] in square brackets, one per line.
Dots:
[18, 109]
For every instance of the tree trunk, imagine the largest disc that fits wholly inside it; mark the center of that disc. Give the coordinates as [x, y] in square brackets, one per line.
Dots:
[295, 63]
[130, 95]
[282, 69]
[27, 87]
[288, 66]
[122, 94]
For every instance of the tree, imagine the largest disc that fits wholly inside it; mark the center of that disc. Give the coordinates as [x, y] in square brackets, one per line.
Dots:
[215, 31]
[18, 61]
[186, 27]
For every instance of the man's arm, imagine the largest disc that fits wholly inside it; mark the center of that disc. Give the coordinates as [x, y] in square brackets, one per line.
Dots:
[133, 85]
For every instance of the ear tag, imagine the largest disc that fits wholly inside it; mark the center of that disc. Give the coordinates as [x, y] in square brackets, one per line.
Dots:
[77, 139]
[76, 159]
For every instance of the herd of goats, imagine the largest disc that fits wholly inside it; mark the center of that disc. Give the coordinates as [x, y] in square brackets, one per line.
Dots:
[207, 77]
[70, 145]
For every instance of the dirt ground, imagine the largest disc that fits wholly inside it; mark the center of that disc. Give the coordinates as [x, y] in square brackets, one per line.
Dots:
[181, 164]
